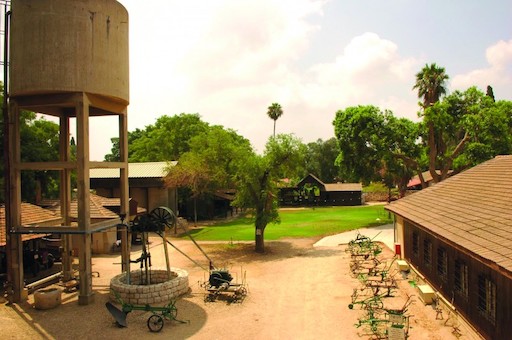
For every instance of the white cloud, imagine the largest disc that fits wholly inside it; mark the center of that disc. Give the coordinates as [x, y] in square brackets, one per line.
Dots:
[367, 72]
[498, 73]
[229, 60]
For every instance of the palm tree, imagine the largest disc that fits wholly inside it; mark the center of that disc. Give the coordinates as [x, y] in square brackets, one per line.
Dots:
[274, 112]
[431, 84]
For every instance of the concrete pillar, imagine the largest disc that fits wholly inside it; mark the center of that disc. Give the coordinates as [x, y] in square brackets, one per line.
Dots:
[14, 242]
[125, 204]
[84, 213]
[65, 198]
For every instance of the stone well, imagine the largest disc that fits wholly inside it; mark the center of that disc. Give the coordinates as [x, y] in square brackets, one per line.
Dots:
[160, 290]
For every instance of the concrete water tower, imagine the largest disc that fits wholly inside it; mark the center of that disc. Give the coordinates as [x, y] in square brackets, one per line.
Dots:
[68, 59]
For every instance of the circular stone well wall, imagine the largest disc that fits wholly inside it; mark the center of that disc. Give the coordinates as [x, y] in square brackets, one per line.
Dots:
[160, 291]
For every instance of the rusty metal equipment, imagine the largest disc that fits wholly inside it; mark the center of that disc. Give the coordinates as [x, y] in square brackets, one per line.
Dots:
[220, 283]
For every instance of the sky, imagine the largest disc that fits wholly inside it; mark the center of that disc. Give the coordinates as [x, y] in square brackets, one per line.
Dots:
[228, 60]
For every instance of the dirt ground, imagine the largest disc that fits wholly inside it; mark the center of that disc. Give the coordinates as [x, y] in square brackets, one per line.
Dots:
[296, 291]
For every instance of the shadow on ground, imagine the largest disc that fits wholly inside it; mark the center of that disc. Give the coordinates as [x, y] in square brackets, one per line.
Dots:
[274, 251]
[93, 321]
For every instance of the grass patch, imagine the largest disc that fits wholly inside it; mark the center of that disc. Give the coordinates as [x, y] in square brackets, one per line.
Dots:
[307, 222]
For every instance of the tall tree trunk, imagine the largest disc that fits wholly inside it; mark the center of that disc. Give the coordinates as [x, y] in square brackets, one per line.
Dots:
[432, 153]
[260, 240]
[275, 127]
[195, 211]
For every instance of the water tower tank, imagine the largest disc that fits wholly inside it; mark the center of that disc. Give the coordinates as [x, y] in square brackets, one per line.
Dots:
[69, 46]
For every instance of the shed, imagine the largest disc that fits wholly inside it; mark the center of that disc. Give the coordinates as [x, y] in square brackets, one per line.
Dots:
[311, 191]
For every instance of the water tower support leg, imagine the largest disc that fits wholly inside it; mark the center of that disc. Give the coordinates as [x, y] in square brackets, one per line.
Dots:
[86, 295]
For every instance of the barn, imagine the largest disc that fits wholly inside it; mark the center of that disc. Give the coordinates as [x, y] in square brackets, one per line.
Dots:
[458, 235]
[311, 191]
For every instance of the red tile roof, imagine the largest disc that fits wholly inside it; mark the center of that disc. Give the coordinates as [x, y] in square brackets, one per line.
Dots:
[470, 210]
[30, 215]
[96, 206]
[33, 214]
[427, 177]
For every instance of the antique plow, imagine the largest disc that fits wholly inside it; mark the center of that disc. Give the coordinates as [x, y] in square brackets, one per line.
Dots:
[155, 321]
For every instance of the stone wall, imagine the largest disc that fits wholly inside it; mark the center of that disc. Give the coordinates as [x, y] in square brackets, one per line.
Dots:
[159, 292]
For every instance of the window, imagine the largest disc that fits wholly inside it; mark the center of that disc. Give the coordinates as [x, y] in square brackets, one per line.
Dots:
[427, 252]
[461, 278]
[442, 263]
[415, 244]
[487, 297]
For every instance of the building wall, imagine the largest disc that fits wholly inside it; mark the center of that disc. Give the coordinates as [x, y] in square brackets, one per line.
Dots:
[468, 300]
[158, 197]
[146, 197]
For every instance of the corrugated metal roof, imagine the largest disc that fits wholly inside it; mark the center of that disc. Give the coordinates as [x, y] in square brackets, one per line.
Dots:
[472, 209]
[136, 170]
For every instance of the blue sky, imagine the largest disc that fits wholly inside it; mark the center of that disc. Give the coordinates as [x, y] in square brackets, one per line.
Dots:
[228, 60]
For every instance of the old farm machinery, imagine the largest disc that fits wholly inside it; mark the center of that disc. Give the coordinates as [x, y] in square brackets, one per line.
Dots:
[219, 282]
[155, 321]
[377, 283]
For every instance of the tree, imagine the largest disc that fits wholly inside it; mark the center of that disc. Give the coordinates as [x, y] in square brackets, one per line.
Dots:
[257, 181]
[167, 140]
[321, 160]
[431, 85]
[376, 146]
[114, 155]
[211, 163]
[39, 143]
[469, 128]
[490, 92]
[274, 112]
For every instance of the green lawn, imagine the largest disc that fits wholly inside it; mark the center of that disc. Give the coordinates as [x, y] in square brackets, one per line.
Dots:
[307, 222]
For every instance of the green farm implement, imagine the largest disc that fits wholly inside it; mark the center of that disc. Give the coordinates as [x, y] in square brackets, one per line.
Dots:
[155, 321]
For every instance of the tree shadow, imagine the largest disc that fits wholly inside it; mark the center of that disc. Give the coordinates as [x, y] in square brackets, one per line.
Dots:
[274, 251]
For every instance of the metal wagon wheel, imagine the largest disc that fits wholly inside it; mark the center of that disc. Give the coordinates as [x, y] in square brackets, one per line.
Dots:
[155, 323]
[171, 312]
[163, 215]
[242, 291]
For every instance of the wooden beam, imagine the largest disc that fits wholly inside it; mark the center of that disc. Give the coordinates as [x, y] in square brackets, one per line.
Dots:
[56, 165]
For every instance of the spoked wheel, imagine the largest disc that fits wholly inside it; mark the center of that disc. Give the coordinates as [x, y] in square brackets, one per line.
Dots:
[171, 313]
[241, 292]
[210, 297]
[155, 323]
[163, 215]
